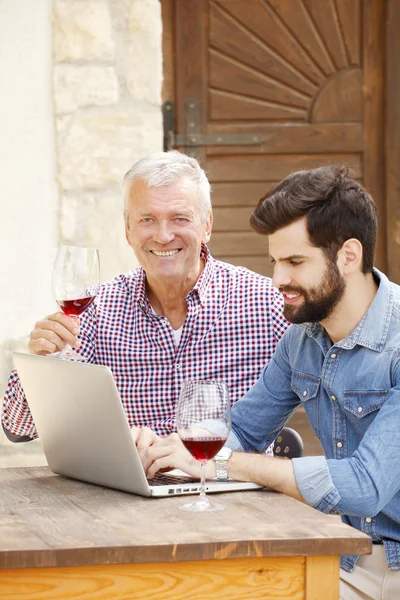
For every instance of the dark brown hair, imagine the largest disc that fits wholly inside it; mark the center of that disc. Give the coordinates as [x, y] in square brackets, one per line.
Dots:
[336, 208]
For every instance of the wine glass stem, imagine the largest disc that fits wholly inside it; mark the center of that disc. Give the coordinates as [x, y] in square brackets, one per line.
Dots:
[74, 318]
[203, 480]
[68, 348]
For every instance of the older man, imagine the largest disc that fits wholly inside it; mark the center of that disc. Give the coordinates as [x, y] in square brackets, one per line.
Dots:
[180, 315]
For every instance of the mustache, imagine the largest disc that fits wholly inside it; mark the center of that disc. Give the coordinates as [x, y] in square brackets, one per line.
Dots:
[290, 290]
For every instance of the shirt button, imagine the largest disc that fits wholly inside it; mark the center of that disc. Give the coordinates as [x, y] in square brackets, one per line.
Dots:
[333, 355]
[333, 397]
[339, 445]
[359, 409]
[305, 393]
[368, 519]
[177, 366]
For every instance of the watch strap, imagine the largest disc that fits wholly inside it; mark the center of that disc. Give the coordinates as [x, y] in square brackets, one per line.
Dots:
[221, 464]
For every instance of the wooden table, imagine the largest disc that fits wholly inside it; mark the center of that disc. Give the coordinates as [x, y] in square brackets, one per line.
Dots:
[61, 538]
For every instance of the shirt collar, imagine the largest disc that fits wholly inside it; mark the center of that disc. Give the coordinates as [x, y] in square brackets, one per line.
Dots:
[373, 328]
[198, 291]
[201, 286]
[141, 296]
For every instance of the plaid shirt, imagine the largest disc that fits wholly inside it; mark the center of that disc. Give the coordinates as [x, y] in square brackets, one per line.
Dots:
[233, 323]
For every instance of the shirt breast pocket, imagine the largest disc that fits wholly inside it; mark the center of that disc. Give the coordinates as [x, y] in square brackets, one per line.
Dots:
[307, 388]
[362, 406]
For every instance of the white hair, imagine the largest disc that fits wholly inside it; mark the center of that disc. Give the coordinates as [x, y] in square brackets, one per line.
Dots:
[167, 168]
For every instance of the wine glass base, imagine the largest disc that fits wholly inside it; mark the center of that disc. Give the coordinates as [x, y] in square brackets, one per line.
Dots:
[202, 506]
[68, 354]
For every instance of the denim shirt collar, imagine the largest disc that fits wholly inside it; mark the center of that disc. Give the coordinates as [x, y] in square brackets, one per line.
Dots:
[373, 328]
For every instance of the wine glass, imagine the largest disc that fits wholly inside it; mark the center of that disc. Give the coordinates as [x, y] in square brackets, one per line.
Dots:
[76, 281]
[203, 421]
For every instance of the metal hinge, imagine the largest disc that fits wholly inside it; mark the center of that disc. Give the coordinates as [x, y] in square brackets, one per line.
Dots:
[192, 140]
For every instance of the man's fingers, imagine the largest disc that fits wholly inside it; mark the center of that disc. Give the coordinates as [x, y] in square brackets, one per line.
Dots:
[42, 347]
[169, 453]
[53, 333]
[46, 335]
[135, 433]
[146, 438]
[161, 464]
[152, 453]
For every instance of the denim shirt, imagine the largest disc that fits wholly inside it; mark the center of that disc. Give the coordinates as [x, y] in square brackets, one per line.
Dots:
[351, 394]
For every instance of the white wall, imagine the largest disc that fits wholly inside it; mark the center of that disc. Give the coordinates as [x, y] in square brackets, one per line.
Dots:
[80, 102]
[28, 191]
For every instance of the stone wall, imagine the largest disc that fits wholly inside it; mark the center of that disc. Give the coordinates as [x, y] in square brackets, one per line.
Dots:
[81, 84]
[107, 93]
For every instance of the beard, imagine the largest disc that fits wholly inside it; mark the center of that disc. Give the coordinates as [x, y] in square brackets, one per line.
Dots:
[318, 303]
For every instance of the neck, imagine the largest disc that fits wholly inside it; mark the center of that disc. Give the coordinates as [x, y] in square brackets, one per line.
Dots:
[360, 292]
[168, 297]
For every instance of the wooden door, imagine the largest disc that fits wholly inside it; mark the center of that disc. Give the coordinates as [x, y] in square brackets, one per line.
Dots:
[306, 75]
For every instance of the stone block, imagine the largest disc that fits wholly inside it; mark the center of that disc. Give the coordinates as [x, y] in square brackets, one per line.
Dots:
[77, 86]
[82, 30]
[144, 55]
[96, 219]
[96, 148]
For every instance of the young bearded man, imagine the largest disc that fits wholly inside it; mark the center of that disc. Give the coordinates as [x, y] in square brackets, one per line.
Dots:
[340, 360]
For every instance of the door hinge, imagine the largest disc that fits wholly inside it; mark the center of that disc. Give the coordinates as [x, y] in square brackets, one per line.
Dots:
[192, 140]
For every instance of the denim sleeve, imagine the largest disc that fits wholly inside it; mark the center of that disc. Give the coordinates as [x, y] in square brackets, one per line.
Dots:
[259, 416]
[315, 483]
[369, 479]
[364, 483]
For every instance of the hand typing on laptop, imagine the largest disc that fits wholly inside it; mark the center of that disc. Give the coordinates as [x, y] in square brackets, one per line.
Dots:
[164, 454]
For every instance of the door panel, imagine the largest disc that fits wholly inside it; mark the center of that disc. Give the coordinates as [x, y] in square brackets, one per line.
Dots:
[270, 167]
[240, 34]
[307, 75]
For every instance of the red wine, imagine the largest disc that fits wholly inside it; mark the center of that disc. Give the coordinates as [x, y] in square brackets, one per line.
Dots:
[73, 308]
[204, 448]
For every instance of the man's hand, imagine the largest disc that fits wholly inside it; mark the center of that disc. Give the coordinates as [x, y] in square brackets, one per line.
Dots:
[169, 453]
[144, 438]
[53, 333]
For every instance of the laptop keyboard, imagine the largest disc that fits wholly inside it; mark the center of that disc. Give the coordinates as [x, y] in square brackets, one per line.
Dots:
[164, 479]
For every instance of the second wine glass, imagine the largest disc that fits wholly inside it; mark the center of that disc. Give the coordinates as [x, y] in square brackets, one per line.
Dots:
[203, 422]
[76, 281]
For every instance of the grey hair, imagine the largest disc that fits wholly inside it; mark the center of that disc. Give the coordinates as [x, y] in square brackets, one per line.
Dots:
[167, 168]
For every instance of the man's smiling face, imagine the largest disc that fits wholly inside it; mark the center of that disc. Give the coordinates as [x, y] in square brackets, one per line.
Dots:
[165, 230]
[311, 284]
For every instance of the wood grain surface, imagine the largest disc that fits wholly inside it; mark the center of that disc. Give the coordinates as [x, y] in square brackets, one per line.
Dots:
[264, 578]
[47, 520]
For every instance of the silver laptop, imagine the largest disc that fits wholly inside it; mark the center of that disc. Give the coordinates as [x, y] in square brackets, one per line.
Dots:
[84, 430]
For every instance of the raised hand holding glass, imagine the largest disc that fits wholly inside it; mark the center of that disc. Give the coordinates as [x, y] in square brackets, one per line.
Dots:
[76, 281]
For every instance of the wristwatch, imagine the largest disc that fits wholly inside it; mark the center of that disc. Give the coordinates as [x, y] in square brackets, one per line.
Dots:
[221, 463]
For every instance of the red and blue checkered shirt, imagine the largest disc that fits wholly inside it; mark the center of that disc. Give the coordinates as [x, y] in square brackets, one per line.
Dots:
[233, 323]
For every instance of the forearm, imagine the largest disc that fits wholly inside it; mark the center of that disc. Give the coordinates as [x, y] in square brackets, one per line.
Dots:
[274, 473]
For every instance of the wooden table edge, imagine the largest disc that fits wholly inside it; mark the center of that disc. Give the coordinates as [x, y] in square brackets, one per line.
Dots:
[85, 556]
